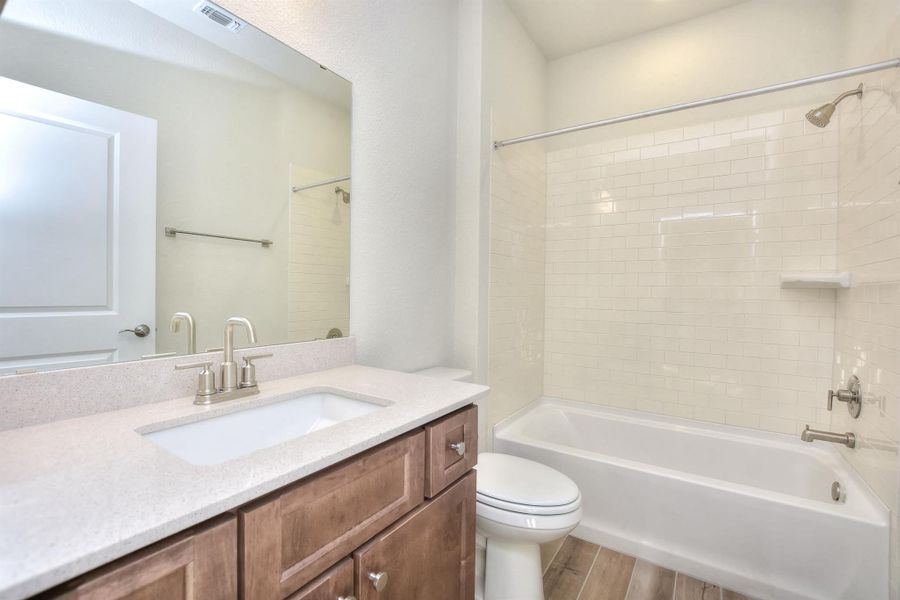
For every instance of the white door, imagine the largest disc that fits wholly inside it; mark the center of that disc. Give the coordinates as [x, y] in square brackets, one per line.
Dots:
[77, 222]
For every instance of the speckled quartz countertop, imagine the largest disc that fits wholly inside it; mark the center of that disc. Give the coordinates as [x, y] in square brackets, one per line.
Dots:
[78, 493]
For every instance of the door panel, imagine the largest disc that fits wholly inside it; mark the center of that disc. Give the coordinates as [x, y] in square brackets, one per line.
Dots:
[79, 177]
[430, 553]
[445, 460]
[289, 538]
[201, 563]
[335, 583]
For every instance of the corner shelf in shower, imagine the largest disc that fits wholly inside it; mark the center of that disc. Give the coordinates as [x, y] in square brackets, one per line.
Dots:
[823, 280]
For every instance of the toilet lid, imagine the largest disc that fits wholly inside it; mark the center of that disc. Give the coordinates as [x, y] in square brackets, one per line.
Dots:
[517, 481]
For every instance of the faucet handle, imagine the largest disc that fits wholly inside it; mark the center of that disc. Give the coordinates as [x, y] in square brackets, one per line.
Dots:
[206, 380]
[249, 358]
[248, 371]
[194, 365]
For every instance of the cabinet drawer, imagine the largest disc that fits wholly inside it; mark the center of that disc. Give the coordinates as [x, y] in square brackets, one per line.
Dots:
[199, 563]
[293, 535]
[451, 447]
[335, 583]
[427, 554]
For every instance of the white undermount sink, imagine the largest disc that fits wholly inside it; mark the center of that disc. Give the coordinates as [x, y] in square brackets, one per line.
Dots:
[218, 439]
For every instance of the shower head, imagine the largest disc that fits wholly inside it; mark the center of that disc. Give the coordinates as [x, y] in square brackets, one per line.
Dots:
[820, 117]
[344, 194]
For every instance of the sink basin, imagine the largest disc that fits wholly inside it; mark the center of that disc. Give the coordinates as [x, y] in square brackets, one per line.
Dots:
[219, 439]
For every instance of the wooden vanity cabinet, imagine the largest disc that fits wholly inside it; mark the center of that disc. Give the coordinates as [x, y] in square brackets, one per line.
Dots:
[405, 508]
[430, 553]
[200, 563]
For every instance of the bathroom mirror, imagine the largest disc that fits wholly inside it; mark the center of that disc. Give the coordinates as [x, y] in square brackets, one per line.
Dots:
[164, 165]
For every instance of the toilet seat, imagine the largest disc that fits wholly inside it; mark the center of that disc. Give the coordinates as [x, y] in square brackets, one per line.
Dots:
[528, 509]
[531, 522]
[518, 485]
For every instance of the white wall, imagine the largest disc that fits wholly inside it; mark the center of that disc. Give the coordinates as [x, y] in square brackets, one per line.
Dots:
[401, 58]
[514, 85]
[748, 45]
[473, 155]
[867, 330]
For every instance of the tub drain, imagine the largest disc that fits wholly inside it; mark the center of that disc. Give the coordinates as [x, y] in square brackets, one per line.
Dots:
[837, 492]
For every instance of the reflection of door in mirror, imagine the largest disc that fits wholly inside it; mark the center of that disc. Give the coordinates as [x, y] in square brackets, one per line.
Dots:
[319, 270]
[77, 250]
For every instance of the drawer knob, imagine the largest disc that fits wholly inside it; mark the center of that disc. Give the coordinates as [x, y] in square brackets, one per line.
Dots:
[379, 580]
[346, 598]
[459, 447]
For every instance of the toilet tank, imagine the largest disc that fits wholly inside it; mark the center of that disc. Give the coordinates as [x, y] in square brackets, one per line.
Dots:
[448, 373]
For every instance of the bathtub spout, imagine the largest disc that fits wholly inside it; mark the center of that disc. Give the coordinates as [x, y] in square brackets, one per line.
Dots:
[811, 435]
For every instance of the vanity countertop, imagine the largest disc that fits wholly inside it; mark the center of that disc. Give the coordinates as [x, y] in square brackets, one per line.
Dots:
[79, 493]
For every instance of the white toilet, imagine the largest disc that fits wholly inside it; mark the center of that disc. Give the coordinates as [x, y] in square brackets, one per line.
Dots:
[521, 504]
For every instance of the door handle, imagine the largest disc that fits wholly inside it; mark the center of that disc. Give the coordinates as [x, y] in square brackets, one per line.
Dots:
[142, 330]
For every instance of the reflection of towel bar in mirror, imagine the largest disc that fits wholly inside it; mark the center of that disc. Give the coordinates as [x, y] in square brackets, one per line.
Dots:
[296, 189]
[171, 231]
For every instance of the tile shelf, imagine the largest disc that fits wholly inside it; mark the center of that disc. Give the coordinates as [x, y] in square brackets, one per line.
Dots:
[822, 280]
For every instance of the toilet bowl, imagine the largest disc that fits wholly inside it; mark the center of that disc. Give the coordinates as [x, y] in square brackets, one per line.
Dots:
[521, 504]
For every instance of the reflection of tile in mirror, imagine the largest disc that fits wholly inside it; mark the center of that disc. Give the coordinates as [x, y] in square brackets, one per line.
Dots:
[318, 294]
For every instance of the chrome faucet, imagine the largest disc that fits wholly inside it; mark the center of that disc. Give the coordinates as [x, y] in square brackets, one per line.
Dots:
[852, 396]
[175, 326]
[229, 367]
[811, 435]
[231, 388]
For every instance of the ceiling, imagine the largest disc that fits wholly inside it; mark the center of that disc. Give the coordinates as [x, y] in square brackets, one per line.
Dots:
[178, 35]
[562, 27]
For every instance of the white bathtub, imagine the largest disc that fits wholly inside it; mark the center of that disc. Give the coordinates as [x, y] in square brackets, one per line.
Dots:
[751, 511]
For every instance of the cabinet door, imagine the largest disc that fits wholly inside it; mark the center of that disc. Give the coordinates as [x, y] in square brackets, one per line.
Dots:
[428, 554]
[291, 537]
[451, 449]
[201, 563]
[334, 584]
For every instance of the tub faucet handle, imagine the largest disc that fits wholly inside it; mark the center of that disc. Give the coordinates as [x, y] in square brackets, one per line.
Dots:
[852, 396]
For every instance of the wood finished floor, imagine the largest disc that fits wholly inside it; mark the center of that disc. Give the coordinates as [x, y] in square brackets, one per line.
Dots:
[584, 571]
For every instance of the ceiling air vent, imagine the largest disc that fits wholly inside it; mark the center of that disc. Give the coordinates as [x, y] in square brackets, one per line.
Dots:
[219, 16]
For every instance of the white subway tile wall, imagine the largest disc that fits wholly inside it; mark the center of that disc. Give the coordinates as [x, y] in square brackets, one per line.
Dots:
[867, 336]
[663, 260]
[319, 267]
[518, 208]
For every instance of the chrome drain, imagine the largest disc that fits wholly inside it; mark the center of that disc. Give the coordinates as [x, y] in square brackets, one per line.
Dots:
[837, 492]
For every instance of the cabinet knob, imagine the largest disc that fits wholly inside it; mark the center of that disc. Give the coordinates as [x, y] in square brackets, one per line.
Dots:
[459, 447]
[379, 580]
[346, 598]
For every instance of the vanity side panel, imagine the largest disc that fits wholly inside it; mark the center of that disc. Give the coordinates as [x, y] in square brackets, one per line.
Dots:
[292, 536]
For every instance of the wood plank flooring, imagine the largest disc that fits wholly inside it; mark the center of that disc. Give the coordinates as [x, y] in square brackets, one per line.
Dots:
[584, 571]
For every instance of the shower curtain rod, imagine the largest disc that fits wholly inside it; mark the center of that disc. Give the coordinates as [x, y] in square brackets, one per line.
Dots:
[887, 64]
[320, 184]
